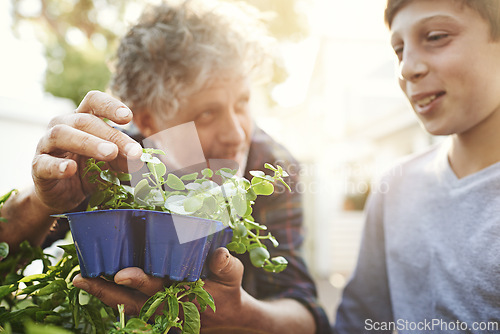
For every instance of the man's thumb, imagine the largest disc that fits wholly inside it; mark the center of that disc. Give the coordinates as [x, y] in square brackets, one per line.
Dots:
[225, 268]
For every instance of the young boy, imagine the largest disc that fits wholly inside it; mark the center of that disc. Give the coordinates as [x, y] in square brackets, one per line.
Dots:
[429, 260]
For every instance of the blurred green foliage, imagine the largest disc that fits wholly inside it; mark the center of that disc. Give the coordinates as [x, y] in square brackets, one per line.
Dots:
[72, 72]
[80, 36]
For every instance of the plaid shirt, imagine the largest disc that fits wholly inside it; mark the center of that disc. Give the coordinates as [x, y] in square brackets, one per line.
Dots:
[282, 213]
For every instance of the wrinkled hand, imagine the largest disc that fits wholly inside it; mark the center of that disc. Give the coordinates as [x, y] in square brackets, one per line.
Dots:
[70, 140]
[133, 287]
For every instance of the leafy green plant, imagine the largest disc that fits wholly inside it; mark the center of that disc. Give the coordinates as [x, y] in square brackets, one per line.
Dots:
[171, 300]
[50, 298]
[49, 303]
[4, 247]
[194, 194]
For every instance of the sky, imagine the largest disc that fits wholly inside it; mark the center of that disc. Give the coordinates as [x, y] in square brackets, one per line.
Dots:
[22, 67]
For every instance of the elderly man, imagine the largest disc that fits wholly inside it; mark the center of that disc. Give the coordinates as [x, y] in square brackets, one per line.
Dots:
[178, 64]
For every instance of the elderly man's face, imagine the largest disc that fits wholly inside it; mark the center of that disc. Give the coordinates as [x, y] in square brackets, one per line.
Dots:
[221, 114]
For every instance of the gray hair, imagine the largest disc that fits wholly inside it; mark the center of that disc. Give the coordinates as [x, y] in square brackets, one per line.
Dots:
[176, 49]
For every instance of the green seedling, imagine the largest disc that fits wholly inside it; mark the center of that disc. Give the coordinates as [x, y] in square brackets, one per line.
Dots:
[196, 195]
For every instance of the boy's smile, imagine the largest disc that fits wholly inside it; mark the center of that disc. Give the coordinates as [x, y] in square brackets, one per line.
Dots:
[448, 64]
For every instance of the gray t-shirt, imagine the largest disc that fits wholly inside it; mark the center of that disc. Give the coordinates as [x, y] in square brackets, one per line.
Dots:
[430, 256]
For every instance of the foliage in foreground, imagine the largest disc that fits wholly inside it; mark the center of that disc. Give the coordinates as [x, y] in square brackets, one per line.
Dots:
[49, 303]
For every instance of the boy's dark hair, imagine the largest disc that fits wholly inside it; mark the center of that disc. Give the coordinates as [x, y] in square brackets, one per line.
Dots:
[488, 9]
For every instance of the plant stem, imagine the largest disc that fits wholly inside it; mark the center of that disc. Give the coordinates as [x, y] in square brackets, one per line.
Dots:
[256, 236]
[121, 309]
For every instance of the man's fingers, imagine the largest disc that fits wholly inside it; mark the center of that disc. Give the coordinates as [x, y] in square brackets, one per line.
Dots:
[111, 294]
[225, 268]
[88, 135]
[136, 279]
[45, 166]
[102, 105]
[64, 138]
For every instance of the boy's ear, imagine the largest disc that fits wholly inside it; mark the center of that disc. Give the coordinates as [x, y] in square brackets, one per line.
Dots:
[145, 122]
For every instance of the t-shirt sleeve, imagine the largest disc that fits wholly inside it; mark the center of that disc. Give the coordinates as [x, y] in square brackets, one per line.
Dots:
[366, 299]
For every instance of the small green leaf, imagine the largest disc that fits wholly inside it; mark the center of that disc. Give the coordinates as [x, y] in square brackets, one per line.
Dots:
[173, 306]
[146, 157]
[207, 172]
[110, 176]
[175, 183]
[232, 246]
[279, 260]
[96, 199]
[239, 204]
[175, 204]
[136, 325]
[69, 249]
[35, 328]
[245, 183]
[124, 177]
[5, 197]
[32, 288]
[4, 250]
[54, 286]
[189, 177]
[257, 173]
[204, 299]
[253, 246]
[226, 172]
[276, 265]
[157, 169]
[142, 189]
[193, 186]
[240, 230]
[262, 187]
[258, 256]
[149, 308]
[7, 290]
[240, 248]
[153, 151]
[249, 211]
[271, 167]
[191, 318]
[128, 189]
[209, 205]
[273, 240]
[251, 195]
[193, 203]
[94, 316]
[31, 278]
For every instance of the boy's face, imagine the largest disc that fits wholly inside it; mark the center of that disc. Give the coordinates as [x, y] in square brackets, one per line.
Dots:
[449, 66]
